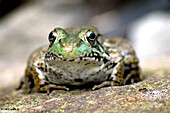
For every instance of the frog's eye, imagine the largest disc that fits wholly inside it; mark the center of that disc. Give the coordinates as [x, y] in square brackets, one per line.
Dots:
[90, 36]
[87, 35]
[51, 37]
[56, 35]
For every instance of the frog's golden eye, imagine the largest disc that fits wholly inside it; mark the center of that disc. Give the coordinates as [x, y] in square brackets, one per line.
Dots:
[56, 35]
[87, 35]
[51, 37]
[90, 36]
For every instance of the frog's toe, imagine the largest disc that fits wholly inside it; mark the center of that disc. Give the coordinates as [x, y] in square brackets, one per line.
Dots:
[103, 84]
[29, 90]
[52, 87]
[20, 84]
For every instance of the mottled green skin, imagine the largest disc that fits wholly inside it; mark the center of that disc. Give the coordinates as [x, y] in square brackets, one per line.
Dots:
[68, 40]
[78, 56]
[77, 51]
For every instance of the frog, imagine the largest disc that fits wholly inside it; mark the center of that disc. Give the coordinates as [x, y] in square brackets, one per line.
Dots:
[77, 56]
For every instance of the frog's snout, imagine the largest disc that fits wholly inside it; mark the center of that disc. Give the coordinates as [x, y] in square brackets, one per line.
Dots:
[68, 49]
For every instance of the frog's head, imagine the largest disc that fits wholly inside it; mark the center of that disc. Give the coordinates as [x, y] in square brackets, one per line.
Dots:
[74, 43]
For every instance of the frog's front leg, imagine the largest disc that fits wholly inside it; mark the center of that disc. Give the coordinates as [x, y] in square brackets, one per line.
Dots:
[41, 84]
[116, 77]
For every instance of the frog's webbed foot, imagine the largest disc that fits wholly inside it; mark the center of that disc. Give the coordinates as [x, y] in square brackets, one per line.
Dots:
[103, 84]
[51, 87]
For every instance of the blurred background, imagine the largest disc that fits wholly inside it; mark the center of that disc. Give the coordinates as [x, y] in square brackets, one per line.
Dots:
[25, 25]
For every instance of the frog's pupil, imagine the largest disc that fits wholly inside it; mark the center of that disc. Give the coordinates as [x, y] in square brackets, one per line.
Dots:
[92, 35]
[51, 37]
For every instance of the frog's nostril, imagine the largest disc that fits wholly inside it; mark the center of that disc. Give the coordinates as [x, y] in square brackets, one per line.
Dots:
[78, 80]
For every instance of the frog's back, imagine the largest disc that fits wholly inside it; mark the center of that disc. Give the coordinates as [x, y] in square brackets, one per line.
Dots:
[38, 54]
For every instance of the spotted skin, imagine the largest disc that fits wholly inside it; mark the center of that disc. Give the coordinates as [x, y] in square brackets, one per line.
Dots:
[78, 56]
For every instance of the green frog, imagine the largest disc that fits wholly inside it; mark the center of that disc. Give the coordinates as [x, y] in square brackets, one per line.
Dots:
[78, 56]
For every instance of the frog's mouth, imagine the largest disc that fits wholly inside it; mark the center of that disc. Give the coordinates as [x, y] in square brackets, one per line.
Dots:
[75, 52]
[93, 56]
